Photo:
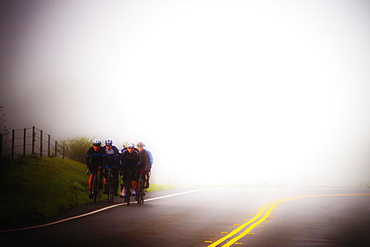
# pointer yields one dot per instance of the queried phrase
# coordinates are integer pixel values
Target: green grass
(34, 188)
(159, 187)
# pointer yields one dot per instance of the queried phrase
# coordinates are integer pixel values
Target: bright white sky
(250, 91)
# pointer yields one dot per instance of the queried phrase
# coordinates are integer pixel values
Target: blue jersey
(150, 158)
(112, 156)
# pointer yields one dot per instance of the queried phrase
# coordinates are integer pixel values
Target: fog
(243, 92)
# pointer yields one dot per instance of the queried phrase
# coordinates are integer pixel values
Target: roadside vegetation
(75, 147)
(34, 188)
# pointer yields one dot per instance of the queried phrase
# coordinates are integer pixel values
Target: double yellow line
(260, 217)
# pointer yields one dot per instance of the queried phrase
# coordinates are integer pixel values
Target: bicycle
(96, 184)
(140, 192)
(128, 179)
(110, 184)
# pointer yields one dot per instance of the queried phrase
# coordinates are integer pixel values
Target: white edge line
(100, 210)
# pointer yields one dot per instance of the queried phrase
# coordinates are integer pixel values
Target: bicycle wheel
(110, 187)
(128, 187)
(95, 187)
(140, 192)
(139, 196)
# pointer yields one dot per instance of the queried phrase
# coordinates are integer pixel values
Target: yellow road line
(240, 227)
(271, 205)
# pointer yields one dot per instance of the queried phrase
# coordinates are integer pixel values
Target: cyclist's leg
(110, 186)
(134, 177)
(142, 188)
(127, 187)
(105, 175)
(100, 176)
(90, 180)
(122, 188)
(115, 181)
(95, 186)
(147, 176)
(137, 186)
(90, 184)
(122, 181)
(144, 182)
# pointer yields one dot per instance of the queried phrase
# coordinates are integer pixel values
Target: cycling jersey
(150, 158)
(144, 162)
(94, 159)
(129, 160)
(112, 156)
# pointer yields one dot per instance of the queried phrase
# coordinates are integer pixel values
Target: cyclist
(129, 160)
(121, 172)
(112, 162)
(124, 147)
(145, 162)
(150, 168)
(94, 160)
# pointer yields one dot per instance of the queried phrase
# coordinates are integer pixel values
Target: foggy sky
(250, 91)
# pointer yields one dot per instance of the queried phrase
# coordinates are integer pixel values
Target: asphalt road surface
(211, 217)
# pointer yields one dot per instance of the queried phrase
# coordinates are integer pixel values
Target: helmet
(130, 145)
(109, 142)
(140, 144)
(96, 142)
(125, 145)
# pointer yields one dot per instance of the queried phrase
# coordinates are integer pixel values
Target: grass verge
(159, 187)
(34, 188)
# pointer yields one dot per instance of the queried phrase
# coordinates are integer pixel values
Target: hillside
(34, 188)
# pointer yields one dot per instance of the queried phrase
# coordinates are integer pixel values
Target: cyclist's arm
(145, 161)
(88, 158)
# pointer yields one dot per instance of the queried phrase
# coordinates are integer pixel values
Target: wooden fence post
(48, 145)
(40, 143)
(24, 141)
(33, 139)
(13, 141)
(56, 149)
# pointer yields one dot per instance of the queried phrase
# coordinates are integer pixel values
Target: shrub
(75, 148)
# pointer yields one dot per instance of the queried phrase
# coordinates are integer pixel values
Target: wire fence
(21, 142)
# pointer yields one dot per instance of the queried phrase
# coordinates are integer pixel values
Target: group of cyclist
(131, 158)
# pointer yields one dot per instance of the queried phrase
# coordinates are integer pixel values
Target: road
(211, 217)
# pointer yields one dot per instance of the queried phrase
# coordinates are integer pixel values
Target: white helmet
(96, 142)
(130, 145)
(109, 142)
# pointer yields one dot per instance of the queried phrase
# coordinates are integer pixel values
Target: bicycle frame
(140, 189)
(128, 185)
(96, 181)
(110, 184)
